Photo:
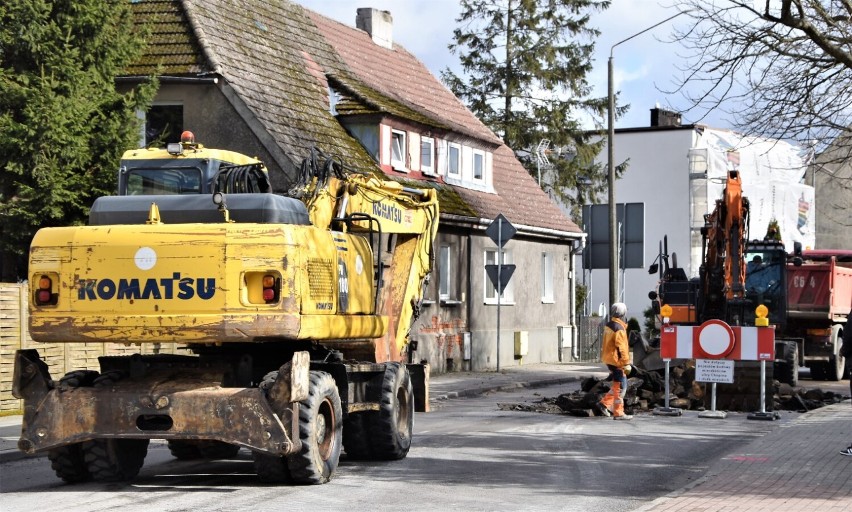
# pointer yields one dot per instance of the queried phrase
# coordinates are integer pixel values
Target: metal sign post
(762, 414)
(500, 231)
(667, 411)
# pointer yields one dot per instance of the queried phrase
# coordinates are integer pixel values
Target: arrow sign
(505, 274)
(500, 230)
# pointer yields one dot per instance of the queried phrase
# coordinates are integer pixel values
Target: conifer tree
(525, 65)
(63, 124)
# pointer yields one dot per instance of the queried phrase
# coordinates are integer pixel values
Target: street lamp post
(613, 226)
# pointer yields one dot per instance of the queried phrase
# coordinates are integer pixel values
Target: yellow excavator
(293, 311)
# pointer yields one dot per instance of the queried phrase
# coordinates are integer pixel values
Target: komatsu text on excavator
(293, 310)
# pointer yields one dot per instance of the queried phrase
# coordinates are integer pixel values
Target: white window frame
(481, 154)
(489, 290)
(445, 268)
(458, 148)
(427, 169)
(547, 278)
(398, 163)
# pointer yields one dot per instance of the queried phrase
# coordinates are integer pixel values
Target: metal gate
(589, 338)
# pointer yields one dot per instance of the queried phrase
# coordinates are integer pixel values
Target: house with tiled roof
(272, 79)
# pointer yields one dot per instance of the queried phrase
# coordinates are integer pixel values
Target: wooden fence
(60, 357)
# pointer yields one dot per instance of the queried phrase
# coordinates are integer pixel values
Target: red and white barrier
(715, 339)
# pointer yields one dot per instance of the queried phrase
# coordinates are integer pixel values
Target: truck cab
(766, 280)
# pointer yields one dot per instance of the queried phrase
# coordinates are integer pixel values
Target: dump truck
(819, 298)
(293, 313)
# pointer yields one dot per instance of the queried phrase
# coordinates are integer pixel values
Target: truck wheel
(789, 370)
(68, 464)
(218, 450)
(356, 441)
(184, 450)
(320, 430)
(836, 364)
(115, 460)
(393, 424)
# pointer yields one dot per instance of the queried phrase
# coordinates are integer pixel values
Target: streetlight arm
(647, 29)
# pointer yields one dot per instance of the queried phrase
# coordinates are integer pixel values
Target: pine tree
(63, 124)
(525, 64)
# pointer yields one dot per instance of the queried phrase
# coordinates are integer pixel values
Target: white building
(675, 175)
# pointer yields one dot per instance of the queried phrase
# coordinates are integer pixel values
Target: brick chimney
(379, 24)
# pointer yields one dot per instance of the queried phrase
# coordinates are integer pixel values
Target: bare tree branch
(779, 69)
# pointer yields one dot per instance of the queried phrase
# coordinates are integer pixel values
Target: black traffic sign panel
(505, 274)
(500, 230)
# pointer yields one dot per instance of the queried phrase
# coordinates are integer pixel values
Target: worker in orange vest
(616, 355)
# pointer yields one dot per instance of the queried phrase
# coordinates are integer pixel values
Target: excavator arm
(401, 221)
(724, 238)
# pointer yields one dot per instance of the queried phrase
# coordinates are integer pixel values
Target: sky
(642, 66)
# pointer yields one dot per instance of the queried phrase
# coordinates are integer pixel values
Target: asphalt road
(467, 454)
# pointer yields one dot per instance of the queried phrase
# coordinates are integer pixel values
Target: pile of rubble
(646, 390)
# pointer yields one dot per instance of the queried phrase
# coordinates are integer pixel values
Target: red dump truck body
(819, 297)
(822, 287)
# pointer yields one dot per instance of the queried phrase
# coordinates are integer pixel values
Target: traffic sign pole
(499, 281)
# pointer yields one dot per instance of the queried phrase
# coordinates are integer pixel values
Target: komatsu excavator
(293, 311)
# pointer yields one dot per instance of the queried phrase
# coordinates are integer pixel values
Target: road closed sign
(714, 370)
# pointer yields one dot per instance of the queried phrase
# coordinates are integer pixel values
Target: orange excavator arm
(724, 235)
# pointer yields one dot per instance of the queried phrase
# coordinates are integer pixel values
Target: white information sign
(714, 370)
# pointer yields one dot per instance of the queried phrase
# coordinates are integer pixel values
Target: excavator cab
(766, 280)
(186, 167)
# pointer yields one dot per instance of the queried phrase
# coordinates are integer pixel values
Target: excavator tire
(320, 430)
(391, 428)
(67, 461)
(114, 460)
(68, 464)
(78, 379)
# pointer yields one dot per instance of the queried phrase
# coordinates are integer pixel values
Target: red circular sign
(715, 340)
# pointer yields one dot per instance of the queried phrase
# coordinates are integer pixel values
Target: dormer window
(398, 150)
(454, 160)
(427, 155)
(478, 165)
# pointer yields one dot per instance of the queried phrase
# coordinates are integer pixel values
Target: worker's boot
(618, 406)
(605, 405)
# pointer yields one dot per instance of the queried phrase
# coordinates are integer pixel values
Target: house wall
(206, 111)
(831, 178)
(440, 330)
(658, 176)
(526, 312)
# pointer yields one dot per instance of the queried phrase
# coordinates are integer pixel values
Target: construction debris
(646, 391)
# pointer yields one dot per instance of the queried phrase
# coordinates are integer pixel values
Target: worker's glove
(628, 370)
